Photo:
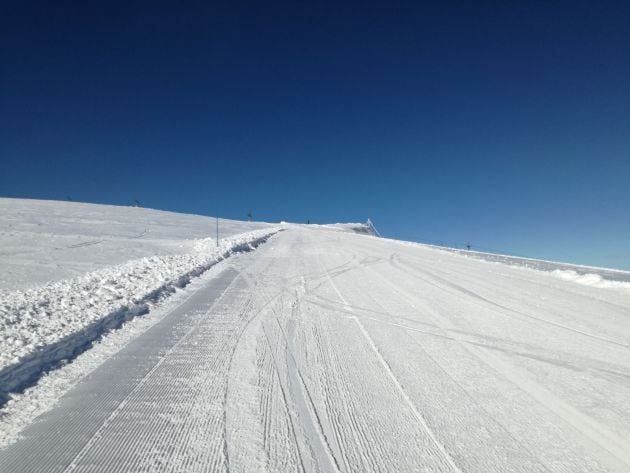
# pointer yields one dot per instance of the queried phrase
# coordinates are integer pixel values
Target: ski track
(325, 351)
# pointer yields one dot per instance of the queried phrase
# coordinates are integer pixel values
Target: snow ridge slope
(44, 240)
(40, 327)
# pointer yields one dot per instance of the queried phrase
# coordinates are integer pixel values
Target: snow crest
(34, 319)
(589, 279)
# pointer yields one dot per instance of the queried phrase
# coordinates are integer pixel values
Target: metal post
(217, 230)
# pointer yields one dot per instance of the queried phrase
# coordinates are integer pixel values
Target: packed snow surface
(327, 350)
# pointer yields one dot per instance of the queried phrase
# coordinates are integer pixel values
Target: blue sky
(506, 124)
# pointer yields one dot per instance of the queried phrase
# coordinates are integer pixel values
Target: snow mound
(42, 326)
(589, 279)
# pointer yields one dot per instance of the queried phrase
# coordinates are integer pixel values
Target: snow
(329, 350)
(43, 241)
(44, 316)
(538, 264)
(22, 408)
(589, 279)
(360, 228)
(43, 325)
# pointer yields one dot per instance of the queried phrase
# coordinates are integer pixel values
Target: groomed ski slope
(324, 350)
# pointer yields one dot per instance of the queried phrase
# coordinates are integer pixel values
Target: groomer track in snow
(324, 350)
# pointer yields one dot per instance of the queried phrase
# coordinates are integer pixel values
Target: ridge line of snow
(481, 254)
(589, 279)
(570, 272)
(41, 328)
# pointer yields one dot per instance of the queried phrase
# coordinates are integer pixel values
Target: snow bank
(44, 325)
(593, 280)
(44, 241)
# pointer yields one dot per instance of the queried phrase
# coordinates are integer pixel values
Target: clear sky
(506, 124)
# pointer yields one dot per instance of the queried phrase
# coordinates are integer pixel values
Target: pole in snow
(217, 230)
